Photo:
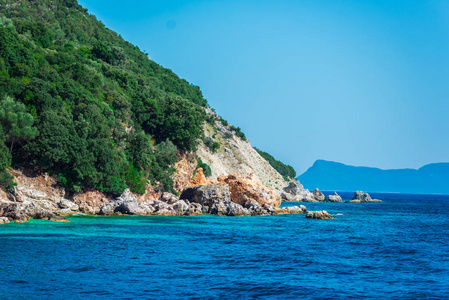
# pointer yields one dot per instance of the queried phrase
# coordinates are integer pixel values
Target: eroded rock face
(318, 195)
(319, 215)
(333, 198)
(361, 197)
(249, 188)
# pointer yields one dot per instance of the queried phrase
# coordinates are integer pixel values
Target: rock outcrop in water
(361, 197)
(319, 215)
(295, 192)
(333, 198)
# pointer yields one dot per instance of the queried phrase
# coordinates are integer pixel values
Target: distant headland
(329, 175)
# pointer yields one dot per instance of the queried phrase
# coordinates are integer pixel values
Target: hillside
(328, 175)
(85, 106)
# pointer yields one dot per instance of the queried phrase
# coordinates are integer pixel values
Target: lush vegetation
(283, 169)
(81, 103)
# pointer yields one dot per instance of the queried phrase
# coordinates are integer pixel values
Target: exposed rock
(67, 204)
(169, 198)
(4, 220)
(361, 197)
(180, 207)
(255, 209)
(292, 210)
(333, 198)
(194, 209)
(90, 202)
(207, 195)
(318, 195)
(295, 192)
(320, 215)
(165, 212)
(270, 210)
(228, 208)
(235, 155)
(199, 178)
(249, 188)
(294, 187)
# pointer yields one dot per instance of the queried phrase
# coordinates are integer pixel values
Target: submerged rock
(361, 197)
(319, 215)
(333, 198)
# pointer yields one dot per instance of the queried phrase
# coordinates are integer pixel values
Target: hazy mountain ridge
(329, 175)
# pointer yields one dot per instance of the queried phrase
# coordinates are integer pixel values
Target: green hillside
(283, 169)
(79, 102)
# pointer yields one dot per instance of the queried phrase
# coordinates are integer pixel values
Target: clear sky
(358, 82)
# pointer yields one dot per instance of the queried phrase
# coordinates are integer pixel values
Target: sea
(398, 249)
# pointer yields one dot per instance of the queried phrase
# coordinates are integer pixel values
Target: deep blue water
(395, 249)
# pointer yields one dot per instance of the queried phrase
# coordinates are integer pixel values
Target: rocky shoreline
(40, 197)
(295, 192)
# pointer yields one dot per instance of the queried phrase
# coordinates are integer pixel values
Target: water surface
(395, 249)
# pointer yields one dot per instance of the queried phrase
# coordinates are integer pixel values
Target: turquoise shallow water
(395, 249)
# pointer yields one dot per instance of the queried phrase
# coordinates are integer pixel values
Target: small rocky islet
(232, 195)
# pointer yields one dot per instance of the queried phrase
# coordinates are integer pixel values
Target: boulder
(270, 210)
(228, 208)
(130, 207)
(206, 195)
(4, 220)
(169, 198)
(67, 204)
(333, 198)
(194, 209)
(319, 215)
(254, 208)
(249, 188)
(292, 210)
(361, 197)
(297, 209)
(294, 187)
(318, 195)
(295, 192)
(180, 207)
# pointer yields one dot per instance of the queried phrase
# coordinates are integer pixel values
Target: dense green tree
(5, 162)
(97, 101)
(16, 122)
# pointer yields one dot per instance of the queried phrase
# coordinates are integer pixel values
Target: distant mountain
(329, 175)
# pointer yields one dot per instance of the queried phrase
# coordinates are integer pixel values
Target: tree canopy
(83, 104)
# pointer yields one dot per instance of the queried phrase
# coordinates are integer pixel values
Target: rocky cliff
(234, 155)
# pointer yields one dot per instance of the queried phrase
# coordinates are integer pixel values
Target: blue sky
(358, 82)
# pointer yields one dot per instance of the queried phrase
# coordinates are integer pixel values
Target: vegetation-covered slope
(81, 103)
(283, 169)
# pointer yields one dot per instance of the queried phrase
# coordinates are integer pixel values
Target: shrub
(206, 169)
